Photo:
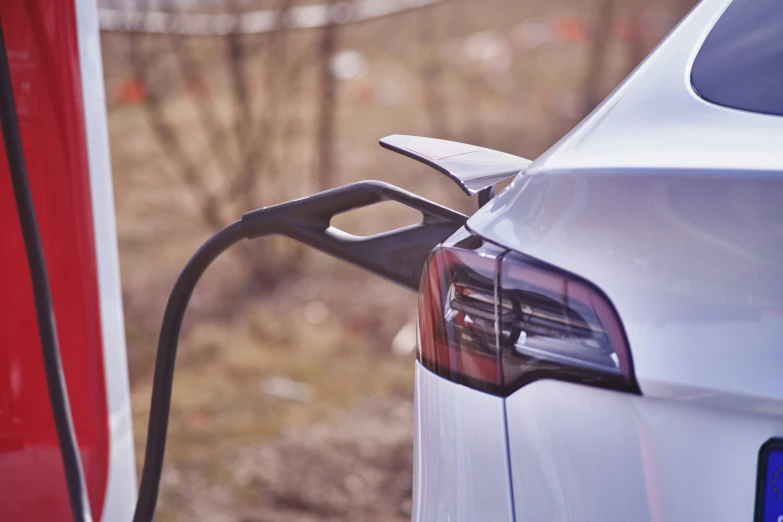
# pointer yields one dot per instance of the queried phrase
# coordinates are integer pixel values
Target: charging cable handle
(398, 255)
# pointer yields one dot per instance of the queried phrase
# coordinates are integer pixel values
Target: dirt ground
(354, 467)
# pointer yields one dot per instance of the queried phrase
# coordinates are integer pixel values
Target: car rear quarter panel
(460, 454)
(580, 454)
(692, 262)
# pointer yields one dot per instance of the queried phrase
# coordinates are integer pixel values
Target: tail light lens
(457, 315)
(495, 320)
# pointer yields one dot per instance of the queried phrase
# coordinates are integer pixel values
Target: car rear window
(740, 64)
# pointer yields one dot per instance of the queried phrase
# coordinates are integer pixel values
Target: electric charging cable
(44, 313)
(397, 255)
(163, 379)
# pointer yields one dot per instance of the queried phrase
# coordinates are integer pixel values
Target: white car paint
(580, 454)
(461, 472)
(672, 206)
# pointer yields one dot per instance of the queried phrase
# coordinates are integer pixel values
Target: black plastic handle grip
(397, 255)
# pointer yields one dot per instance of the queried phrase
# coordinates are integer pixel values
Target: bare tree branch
(205, 106)
(206, 202)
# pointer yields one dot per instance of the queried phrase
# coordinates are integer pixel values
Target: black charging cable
(47, 331)
(396, 255)
(163, 379)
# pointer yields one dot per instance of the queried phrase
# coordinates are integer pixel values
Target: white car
(603, 341)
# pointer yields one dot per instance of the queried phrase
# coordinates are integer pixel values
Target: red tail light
(496, 320)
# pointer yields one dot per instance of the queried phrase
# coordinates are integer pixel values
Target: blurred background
(294, 385)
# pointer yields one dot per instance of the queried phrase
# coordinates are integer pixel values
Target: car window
(740, 64)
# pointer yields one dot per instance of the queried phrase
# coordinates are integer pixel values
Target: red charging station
(53, 49)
